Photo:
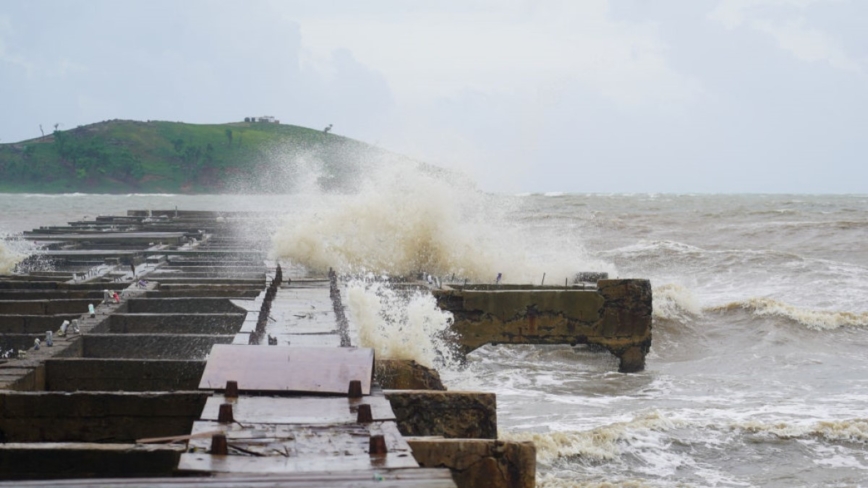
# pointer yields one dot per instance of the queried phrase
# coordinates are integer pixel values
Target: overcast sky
(525, 96)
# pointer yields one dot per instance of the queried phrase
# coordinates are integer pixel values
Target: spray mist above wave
(404, 218)
(812, 319)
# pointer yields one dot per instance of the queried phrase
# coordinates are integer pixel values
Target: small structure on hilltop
(265, 118)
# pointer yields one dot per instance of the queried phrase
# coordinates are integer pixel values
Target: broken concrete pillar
(450, 414)
(474, 463)
(400, 374)
(616, 316)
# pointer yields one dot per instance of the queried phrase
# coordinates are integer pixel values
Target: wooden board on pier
(381, 478)
(298, 410)
(288, 369)
(280, 448)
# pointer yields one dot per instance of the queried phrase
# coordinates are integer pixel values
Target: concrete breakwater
(614, 315)
(167, 378)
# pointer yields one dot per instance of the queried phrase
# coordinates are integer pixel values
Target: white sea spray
(400, 324)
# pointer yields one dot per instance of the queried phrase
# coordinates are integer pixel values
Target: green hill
(123, 156)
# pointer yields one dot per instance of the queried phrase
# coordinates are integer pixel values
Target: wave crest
(600, 444)
(401, 324)
(812, 319)
(675, 302)
(853, 430)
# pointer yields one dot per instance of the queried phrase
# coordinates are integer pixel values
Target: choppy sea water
(758, 373)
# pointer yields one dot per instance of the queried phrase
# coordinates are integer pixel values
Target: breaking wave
(8, 258)
(405, 219)
(853, 430)
(599, 444)
(674, 302)
(813, 319)
(401, 324)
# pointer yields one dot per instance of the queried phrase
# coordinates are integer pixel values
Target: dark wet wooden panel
(298, 410)
(196, 462)
(288, 368)
(304, 440)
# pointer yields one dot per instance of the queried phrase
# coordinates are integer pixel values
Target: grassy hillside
(122, 156)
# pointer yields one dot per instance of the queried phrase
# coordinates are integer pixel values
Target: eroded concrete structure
(615, 315)
(83, 407)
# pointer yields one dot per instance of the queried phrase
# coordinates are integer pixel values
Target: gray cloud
(736, 96)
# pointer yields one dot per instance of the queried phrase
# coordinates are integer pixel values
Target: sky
(625, 96)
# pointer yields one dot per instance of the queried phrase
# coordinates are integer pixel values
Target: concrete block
(616, 316)
(97, 417)
(475, 463)
(399, 374)
(449, 414)
(186, 323)
(151, 346)
(20, 461)
(182, 305)
(122, 374)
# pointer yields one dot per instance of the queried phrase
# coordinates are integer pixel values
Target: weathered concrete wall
(450, 414)
(227, 292)
(616, 316)
(20, 461)
(18, 341)
(97, 417)
(44, 307)
(475, 463)
(181, 305)
(122, 374)
(50, 294)
(151, 346)
(23, 377)
(33, 324)
(181, 323)
(400, 374)
(9, 284)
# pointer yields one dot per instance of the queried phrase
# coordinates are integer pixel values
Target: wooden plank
(381, 478)
(297, 410)
(197, 462)
(288, 369)
(179, 438)
(313, 442)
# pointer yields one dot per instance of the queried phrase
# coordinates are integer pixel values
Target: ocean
(758, 372)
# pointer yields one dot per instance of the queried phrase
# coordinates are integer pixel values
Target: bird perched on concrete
(36, 344)
(62, 331)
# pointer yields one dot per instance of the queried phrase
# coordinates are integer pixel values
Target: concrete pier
(216, 367)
